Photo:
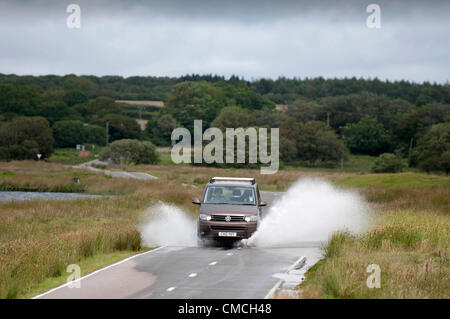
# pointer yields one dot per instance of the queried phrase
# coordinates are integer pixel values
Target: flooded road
(21, 196)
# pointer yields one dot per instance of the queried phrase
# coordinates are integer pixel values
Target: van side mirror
(262, 204)
(195, 201)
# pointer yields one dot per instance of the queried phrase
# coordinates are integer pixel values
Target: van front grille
(227, 228)
(221, 218)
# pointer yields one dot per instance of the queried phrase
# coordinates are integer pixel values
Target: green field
(69, 156)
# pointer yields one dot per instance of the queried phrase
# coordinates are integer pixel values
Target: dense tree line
(66, 118)
(326, 119)
(286, 91)
(280, 91)
(202, 100)
(321, 132)
(117, 87)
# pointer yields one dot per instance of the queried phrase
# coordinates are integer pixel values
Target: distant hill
(280, 91)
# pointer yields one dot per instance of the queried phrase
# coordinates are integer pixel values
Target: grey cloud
(249, 38)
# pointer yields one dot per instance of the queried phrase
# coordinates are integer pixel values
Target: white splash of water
(311, 210)
(168, 225)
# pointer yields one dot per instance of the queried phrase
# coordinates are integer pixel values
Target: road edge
(95, 272)
(298, 264)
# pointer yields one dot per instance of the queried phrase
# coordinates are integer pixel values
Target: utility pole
(328, 118)
(343, 145)
(107, 132)
(410, 148)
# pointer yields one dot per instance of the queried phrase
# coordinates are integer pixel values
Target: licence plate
(227, 234)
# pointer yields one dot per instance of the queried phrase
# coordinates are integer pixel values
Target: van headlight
(253, 218)
(204, 217)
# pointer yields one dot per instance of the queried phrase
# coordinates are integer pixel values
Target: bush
(160, 129)
(94, 134)
(388, 163)
(288, 149)
(432, 152)
(68, 133)
(436, 163)
(130, 151)
(120, 127)
(58, 111)
(368, 136)
(316, 142)
(233, 117)
(26, 150)
(24, 137)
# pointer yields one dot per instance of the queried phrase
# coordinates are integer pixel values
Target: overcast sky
(249, 38)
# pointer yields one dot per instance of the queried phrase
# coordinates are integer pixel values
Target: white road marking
(193, 275)
(97, 271)
(171, 288)
(301, 261)
(213, 263)
(230, 254)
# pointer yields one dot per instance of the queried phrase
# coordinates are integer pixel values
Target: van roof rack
(236, 179)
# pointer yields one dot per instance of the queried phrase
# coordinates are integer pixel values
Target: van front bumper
(211, 229)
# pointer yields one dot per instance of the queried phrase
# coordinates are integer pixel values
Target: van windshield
(235, 195)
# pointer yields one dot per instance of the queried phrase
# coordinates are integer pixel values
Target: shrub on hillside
(432, 152)
(160, 129)
(388, 163)
(70, 133)
(130, 151)
(368, 136)
(24, 137)
(94, 134)
(233, 117)
(315, 142)
(120, 127)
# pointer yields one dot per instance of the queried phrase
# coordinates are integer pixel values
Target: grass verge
(410, 247)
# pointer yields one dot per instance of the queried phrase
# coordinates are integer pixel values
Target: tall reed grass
(411, 247)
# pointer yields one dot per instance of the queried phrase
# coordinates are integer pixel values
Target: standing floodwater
(21, 196)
